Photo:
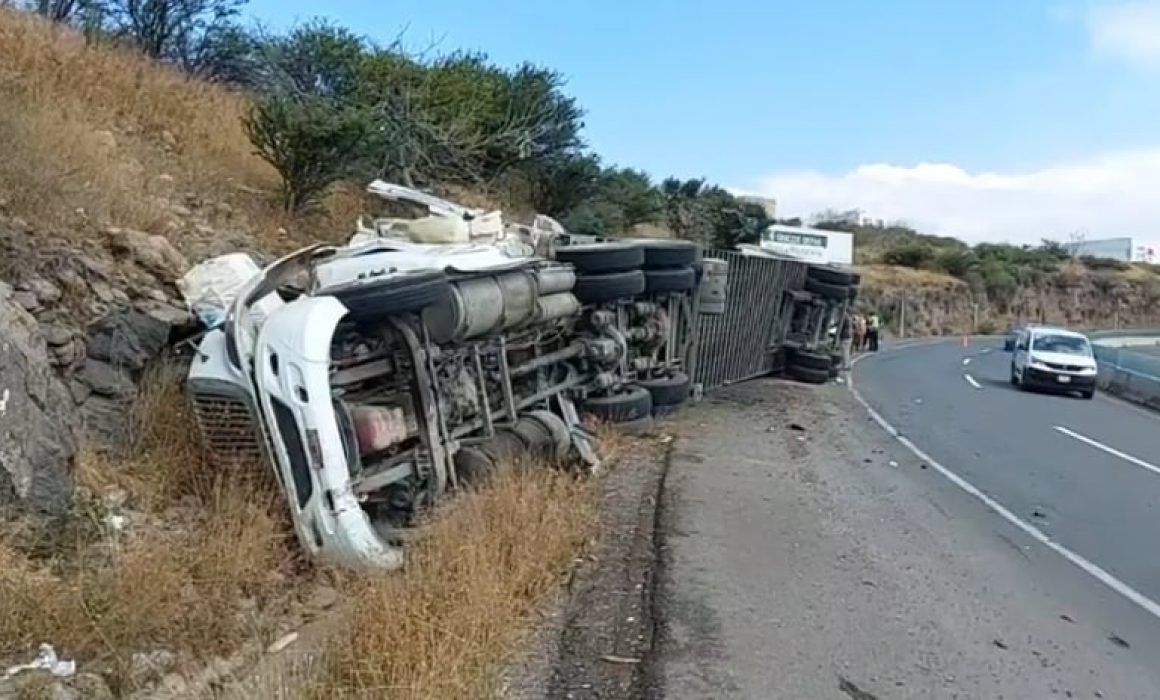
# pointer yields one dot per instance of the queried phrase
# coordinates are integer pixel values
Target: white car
(1054, 359)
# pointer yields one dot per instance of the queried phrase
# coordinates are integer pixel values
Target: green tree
(311, 142)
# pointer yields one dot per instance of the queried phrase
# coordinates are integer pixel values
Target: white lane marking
(1110, 450)
(1150, 606)
(966, 361)
(972, 382)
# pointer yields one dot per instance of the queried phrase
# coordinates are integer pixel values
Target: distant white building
(1123, 248)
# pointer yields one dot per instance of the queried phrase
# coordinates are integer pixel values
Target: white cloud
(1114, 195)
(1127, 32)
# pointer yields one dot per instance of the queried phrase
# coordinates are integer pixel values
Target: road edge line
(1094, 570)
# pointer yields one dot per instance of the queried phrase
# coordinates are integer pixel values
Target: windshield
(1063, 344)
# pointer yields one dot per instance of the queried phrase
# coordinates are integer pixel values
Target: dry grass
(472, 589)
(196, 543)
(89, 131)
(893, 277)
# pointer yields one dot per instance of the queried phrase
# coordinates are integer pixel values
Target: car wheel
(1089, 394)
(398, 294)
(631, 404)
(1014, 379)
(594, 289)
(602, 257)
(670, 390)
(838, 292)
(674, 279)
(662, 254)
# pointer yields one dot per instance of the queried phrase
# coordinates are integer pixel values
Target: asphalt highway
(1085, 473)
(934, 533)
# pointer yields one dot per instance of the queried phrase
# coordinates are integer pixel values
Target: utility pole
(902, 317)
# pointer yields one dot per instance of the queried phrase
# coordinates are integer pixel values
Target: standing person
(872, 331)
(845, 333)
(859, 334)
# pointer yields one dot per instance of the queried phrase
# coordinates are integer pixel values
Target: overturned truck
(380, 376)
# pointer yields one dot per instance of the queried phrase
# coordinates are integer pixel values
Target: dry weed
(94, 127)
(895, 277)
(196, 543)
(473, 585)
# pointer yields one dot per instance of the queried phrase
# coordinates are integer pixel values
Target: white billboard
(809, 244)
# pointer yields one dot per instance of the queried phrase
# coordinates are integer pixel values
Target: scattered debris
(46, 660)
(796, 427)
(894, 464)
(282, 642)
(1038, 514)
(1119, 641)
(613, 659)
(149, 667)
(922, 466)
(322, 598)
(1067, 618)
(1000, 643)
(855, 693)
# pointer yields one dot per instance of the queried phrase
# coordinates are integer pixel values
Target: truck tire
(505, 448)
(809, 375)
(672, 279)
(408, 293)
(830, 275)
(661, 254)
(472, 466)
(555, 425)
(537, 438)
(810, 360)
(610, 286)
(602, 257)
(833, 292)
(835, 366)
(633, 403)
(666, 391)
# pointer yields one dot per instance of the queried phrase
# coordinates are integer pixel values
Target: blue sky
(790, 99)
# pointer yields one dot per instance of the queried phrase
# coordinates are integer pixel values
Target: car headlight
(1036, 364)
(1088, 370)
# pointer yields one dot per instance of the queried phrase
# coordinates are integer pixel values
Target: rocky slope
(81, 319)
(917, 302)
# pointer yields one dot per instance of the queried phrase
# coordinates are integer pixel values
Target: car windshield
(1063, 344)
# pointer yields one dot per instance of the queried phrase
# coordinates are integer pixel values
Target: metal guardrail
(745, 341)
(1128, 373)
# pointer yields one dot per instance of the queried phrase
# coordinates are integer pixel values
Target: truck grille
(227, 428)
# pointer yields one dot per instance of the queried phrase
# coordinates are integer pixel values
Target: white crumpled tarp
(46, 660)
(211, 286)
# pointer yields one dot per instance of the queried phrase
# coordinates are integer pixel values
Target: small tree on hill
(170, 29)
(310, 141)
